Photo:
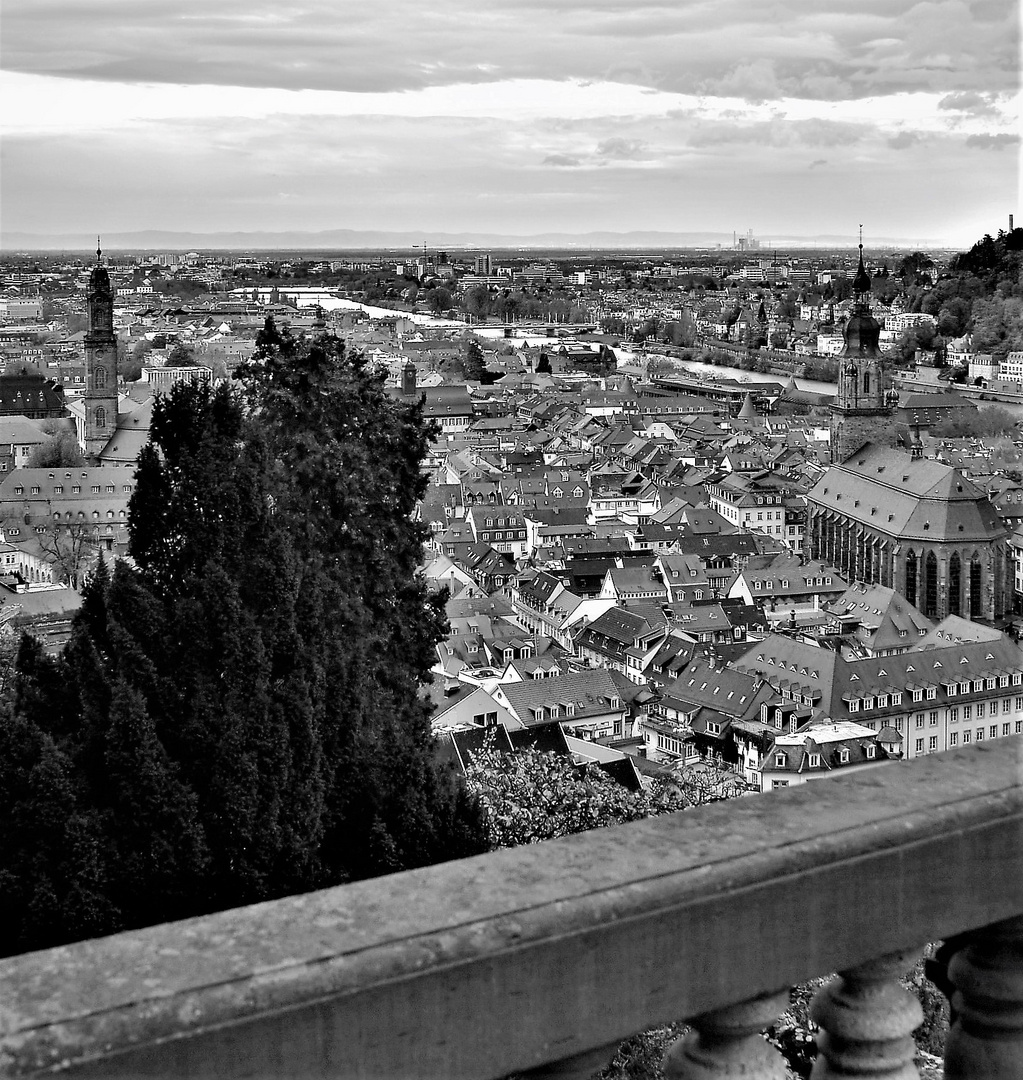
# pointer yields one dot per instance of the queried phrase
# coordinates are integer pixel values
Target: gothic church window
(100, 416)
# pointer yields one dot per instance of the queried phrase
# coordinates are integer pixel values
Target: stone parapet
(528, 957)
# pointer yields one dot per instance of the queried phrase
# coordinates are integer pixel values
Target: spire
(99, 251)
(861, 283)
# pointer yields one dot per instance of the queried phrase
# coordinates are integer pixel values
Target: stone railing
(543, 957)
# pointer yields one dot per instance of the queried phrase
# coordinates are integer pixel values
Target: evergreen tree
(53, 887)
(351, 457)
(238, 716)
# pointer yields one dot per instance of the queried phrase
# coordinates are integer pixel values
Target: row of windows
(672, 745)
(81, 514)
(814, 760)
(993, 731)
(761, 586)
(953, 714)
(930, 693)
(965, 685)
(511, 534)
(76, 489)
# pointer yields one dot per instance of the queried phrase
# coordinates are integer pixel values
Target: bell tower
(100, 363)
(861, 411)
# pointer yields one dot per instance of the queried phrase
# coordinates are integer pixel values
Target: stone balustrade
(540, 958)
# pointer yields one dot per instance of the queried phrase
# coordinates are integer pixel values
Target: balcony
(542, 957)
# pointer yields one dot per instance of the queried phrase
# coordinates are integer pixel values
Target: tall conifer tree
(238, 715)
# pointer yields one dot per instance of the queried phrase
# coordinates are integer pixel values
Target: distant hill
(362, 239)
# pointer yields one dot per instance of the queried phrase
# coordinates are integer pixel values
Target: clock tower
(100, 363)
(861, 412)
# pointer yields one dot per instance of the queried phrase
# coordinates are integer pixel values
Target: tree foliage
(473, 361)
(238, 716)
(536, 795)
(987, 422)
(60, 451)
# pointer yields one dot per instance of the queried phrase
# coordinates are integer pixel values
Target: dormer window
(814, 761)
(871, 751)
(843, 756)
(780, 761)
(918, 695)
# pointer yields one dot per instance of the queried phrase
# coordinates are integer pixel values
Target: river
(711, 370)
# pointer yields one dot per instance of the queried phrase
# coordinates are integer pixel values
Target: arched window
(931, 585)
(976, 589)
(911, 572)
(866, 382)
(100, 416)
(955, 585)
(99, 379)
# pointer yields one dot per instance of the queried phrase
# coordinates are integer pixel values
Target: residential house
(502, 527)
(820, 749)
(587, 704)
(785, 582)
(622, 640)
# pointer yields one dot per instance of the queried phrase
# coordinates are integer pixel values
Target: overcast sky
(791, 117)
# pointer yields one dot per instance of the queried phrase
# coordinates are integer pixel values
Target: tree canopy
(238, 716)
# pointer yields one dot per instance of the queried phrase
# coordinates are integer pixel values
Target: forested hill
(982, 293)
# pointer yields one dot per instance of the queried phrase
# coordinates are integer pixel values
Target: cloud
(969, 101)
(621, 149)
(757, 51)
(562, 161)
(818, 163)
(781, 132)
(902, 140)
(1000, 141)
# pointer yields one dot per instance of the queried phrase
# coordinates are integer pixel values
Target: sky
(789, 117)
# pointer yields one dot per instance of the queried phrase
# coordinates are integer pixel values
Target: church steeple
(862, 331)
(100, 401)
(860, 412)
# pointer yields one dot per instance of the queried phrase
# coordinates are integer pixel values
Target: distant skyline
(543, 116)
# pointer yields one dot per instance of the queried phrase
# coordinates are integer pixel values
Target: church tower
(861, 411)
(100, 363)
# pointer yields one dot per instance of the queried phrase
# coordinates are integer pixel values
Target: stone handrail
(523, 958)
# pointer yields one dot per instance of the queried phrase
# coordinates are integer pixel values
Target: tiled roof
(589, 693)
(912, 498)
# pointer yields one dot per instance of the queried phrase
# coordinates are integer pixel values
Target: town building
(884, 516)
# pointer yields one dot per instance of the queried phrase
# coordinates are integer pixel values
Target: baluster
(727, 1044)
(986, 1038)
(867, 1019)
